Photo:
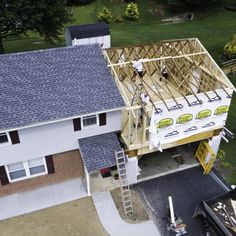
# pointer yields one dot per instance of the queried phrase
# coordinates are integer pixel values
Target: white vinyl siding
(26, 169)
(57, 137)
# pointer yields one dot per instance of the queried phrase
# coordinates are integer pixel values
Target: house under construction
(188, 97)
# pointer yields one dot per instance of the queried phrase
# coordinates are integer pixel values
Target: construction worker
(138, 67)
(144, 98)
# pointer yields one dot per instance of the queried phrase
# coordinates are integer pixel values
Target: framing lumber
(179, 58)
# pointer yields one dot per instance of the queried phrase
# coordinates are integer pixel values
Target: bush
(119, 19)
(105, 15)
(132, 12)
(230, 48)
(221, 154)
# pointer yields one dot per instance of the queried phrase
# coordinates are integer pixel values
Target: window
(3, 138)
(89, 120)
(16, 170)
(26, 169)
(36, 166)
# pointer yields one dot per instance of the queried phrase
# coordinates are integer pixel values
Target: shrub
(221, 154)
(230, 48)
(119, 19)
(132, 12)
(105, 15)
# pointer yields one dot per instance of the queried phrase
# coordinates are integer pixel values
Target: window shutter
(3, 176)
(77, 124)
(50, 164)
(14, 137)
(102, 119)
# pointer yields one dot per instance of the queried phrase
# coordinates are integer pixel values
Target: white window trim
(26, 168)
(8, 138)
(89, 126)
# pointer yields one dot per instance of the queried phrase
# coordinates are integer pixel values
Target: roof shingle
(90, 30)
(54, 84)
(98, 152)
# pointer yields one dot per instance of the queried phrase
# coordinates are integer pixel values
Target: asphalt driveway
(187, 188)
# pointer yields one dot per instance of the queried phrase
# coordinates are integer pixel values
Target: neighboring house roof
(98, 152)
(48, 85)
(87, 31)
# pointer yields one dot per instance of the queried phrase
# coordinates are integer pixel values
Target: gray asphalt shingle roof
(98, 152)
(46, 85)
(90, 30)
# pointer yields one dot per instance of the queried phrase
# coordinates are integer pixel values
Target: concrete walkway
(54, 194)
(37, 199)
(113, 223)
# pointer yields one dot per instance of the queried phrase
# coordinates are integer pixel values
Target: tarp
(170, 125)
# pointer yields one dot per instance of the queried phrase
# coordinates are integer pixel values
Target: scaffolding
(192, 75)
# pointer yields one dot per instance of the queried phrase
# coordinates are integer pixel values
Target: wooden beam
(119, 83)
(157, 59)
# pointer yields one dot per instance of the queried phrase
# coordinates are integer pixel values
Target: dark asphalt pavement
(187, 188)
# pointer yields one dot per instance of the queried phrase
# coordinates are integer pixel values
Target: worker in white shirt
(138, 66)
(144, 98)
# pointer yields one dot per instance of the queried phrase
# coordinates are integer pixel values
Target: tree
(12, 20)
(105, 15)
(132, 12)
(49, 18)
(46, 17)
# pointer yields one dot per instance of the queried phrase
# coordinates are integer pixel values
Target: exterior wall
(67, 165)
(132, 170)
(171, 126)
(215, 144)
(182, 123)
(104, 41)
(53, 138)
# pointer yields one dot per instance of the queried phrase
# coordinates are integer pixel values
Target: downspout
(87, 181)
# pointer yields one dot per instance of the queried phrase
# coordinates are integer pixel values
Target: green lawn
(213, 29)
(230, 148)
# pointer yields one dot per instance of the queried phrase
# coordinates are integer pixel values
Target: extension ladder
(124, 185)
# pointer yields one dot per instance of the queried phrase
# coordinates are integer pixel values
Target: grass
(213, 29)
(84, 14)
(208, 29)
(229, 148)
(77, 217)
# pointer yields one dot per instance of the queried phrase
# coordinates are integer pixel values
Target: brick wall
(67, 165)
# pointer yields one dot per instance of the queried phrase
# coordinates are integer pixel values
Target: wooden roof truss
(181, 59)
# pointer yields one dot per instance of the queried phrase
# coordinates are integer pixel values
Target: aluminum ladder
(124, 185)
